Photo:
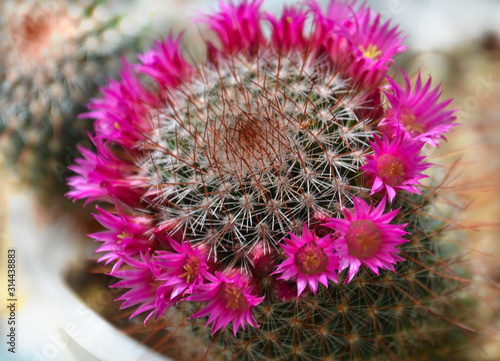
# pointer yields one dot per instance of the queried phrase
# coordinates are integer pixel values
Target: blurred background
(455, 41)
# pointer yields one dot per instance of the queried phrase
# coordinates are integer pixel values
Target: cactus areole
(270, 190)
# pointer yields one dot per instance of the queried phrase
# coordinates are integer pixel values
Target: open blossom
(125, 234)
(375, 40)
(231, 298)
(123, 113)
(182, 269)
(309, 261)
(360, 44)
(417, 112)
(140, 280)
(178, 272)
(104, 176)
(395, 164)
(374, 45)
(367, 238)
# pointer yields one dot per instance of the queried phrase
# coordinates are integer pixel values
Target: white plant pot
(52, 321)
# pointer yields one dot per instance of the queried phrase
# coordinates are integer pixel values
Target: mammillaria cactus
(55, 55)
(267, 201)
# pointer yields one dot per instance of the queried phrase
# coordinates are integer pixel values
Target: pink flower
(341, 11)
(288, 32)
(164, 299)
(262, 259)
(367, 238)
(395, 164)
(309, 260)
(182, 269)
(104, 177)
(165, 63)
(373, 39)
(328, 34)
(169, 229)
(142, 285)
(357, 41)
(237, 27)
(122, 114)
(231, 298)
(125, 234)
(374, 45)
(418, 113)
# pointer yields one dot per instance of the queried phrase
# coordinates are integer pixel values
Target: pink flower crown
(263, 172)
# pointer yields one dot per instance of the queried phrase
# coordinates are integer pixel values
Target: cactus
(275, 189)
(55, 56)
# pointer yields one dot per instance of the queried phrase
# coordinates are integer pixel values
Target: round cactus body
(267, 201)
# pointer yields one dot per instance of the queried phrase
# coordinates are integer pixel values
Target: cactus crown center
(236, 160)
(391, 170)
(363, 239)
(311, 259)
(241, 143)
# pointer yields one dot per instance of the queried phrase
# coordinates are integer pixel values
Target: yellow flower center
(192, 268)
(121, 236)
(234, 298)
(371, 51)
(408, 120)
(390, 170)
(311, 259)
(363, 239)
